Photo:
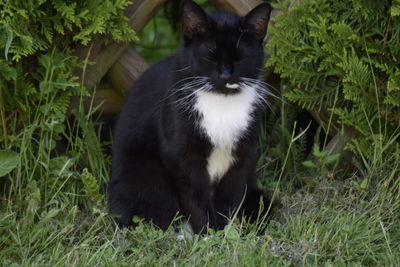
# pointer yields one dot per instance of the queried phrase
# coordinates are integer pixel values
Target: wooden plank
(126, 71)
(340, 140)
(239, 7)
(111, 102)
(337, 145)
(323, 117)
(141, 12)
(104, 52)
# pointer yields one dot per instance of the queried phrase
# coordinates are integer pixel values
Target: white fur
(232, 85)
(219, 162)
(185, 232)
(224, 119)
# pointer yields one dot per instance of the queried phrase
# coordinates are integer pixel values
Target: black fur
(160, 155)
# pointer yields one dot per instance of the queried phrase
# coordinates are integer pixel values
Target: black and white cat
(186, 139)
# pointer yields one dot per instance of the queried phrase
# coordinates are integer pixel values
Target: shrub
(37, 80)
(343, 56)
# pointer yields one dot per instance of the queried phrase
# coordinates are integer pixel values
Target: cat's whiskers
(182, 69)
(261, 69)
(201, 88)
(238, 41)
(184, 103)
(264, 84)
(174, 89)
(260, 89)
(194, 78)
(261, 86)
(260, 98)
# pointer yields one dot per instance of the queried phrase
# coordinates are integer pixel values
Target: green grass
(55, 215)
(334, 224)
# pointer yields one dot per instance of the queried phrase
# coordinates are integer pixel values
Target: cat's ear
(194, 20)
(256, 20)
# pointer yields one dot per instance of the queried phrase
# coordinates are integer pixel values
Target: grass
(55, 214)
(334, 224)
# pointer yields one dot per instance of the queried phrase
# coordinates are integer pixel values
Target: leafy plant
(46, 148)
(329, 48)
(322, 160)
(8, 161)
(32, 26)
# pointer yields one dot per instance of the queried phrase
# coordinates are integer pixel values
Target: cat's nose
(225, 73)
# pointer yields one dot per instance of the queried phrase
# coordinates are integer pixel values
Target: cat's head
(223, 48)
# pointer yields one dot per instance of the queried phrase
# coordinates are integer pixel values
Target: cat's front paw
(218, 222)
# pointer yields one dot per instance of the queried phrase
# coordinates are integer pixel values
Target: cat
(186, 139)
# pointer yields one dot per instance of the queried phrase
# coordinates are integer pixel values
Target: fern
(36, 25)
(351, 49)
(91, 187)
(320, 97)
(32, 70)
(37, 80)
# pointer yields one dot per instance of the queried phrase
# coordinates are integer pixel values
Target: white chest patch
(224, 119)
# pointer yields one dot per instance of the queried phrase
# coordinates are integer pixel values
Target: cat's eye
(211, 49)
(208, 52)
(210, 55)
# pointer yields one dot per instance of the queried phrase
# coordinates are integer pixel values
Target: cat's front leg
(198, 210)
(238, 190)
(195, 195)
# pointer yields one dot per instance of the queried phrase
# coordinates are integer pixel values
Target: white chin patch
(232, 85)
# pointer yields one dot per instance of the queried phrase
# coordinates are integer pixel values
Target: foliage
(161, 36)
(344, 56)
(45, 146)
(8, 161)
(323, 159)
(158, 39)
(27, 27)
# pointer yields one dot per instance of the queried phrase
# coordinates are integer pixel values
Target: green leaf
(91, 186)
(331, 158)
(309, 164)
(364, 184)
(301, 134)
(51, 213)
(8, 161)
(232, 234)
(318, 153)
(395, 11)
(7, 72)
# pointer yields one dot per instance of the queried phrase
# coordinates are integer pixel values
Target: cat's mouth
(232, 85)
(228, 88)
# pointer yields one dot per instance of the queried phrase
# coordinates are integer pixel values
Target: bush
(37, 80)
(344, 56)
